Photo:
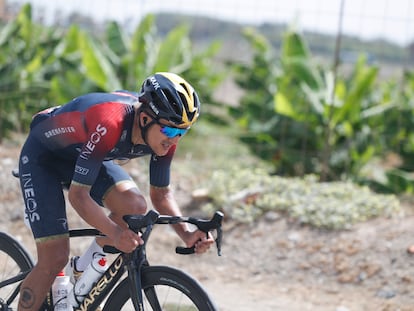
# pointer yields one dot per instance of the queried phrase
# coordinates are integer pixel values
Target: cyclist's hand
(127, 240)
(199, 240)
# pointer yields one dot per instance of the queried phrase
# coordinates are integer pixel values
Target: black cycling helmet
(168, 96)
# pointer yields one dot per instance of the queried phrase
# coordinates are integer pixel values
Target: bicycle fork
(134, 268)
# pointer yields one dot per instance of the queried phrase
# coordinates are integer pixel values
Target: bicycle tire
(166, 281)
(14, 259)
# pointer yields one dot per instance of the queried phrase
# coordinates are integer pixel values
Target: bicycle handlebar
(138, 222)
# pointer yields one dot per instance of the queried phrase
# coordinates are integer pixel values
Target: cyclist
(75, 145)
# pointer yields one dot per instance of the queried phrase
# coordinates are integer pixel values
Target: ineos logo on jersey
(29, 198)
(95, 138)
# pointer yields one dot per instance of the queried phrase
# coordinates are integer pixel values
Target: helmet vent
(172, 97)
(184, 86)
(184, 101)
(173, 102)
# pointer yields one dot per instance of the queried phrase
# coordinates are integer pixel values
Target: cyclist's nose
(174, 140)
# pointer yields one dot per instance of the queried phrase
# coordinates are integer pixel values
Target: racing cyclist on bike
(74, 145)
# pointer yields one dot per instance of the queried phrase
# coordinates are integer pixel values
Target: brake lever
(218, 240)
(206, 226)
(138, 222)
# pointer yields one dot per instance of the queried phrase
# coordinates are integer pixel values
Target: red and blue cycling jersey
(93, 128)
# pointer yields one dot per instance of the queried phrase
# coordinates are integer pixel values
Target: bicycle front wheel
(14, 259)
(165, 289)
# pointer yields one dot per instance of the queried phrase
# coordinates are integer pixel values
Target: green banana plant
(23, 69)
(301, 117)
(397, 174)
(41, 66)
(338, 137)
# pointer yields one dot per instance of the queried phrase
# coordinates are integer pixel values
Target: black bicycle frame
(111, 276)
(137, 260)
(104, 285)
(20, 277)
(134, 263)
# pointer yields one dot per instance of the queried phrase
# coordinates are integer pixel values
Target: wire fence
(385, 24)
(381, 28)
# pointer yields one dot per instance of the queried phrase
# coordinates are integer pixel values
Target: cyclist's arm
(104, 124)
(90, 211)
(164, 202)
(122, 238)
(161, 195)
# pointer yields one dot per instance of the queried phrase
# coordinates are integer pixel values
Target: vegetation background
(303, 135)
(299, 104)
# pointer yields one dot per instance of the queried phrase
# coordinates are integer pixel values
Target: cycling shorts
(43, 177)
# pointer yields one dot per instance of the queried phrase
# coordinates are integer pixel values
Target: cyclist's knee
(129, 201)
(134, 204)
(53, 255)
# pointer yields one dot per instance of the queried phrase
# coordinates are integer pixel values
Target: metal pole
(328, 149)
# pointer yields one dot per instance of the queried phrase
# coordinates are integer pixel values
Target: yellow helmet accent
(170, 97)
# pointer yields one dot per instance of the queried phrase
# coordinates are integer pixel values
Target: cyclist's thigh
(116, 190)
(42, 191)
(111, 177)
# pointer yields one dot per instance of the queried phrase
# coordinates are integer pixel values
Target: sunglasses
(172, 132)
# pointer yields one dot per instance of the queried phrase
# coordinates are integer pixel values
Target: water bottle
(83, 285)
(60, 290)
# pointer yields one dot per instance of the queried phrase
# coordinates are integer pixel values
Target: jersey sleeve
(160, 168)
(103, 125)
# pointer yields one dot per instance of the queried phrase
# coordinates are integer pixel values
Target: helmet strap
(144, 128)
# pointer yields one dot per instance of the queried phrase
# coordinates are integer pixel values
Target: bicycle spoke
(151, 296)
(14, 260)
(165, 289)
(9, 269)
(170, 299)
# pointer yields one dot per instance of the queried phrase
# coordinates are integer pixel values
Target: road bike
(145, 287)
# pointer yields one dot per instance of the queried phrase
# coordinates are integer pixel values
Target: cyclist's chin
(162, 149)
(161, 152)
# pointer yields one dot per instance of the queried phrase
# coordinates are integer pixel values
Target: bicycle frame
(15, 279)
(105, 283)
(134, 262)
(98, 292)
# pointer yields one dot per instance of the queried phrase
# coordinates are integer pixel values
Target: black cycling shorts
(43, 175)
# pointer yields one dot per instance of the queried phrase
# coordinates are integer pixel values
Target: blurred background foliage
(298, 114)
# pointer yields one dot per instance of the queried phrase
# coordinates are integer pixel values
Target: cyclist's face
(158, 137)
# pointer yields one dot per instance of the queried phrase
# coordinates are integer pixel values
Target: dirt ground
(275, 264)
